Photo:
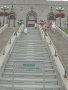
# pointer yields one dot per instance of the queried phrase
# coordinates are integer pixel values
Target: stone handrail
(55, 55)
(3, 28)
(48, 39)
(8, 49)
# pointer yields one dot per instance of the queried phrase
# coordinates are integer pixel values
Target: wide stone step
(29, 61)
(23, 70)
(31, 52)
(30, 46)
(24, 87)
(27, 45)
(18, 81)
(29, 55)
(46, 62)
(14, 88)
(32, 41)
(31, 37)
(29, 75)
(45, 66)
(46, 69)
(14, 65)
(33, 34)
(32, 49)
(29, 58)
(40, 54)
(24, 79)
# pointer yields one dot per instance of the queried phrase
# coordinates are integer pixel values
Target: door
(31, 19)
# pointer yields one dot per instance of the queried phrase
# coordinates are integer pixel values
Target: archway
(12, 16)
(31, 18)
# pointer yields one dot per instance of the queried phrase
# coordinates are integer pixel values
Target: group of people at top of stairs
(49, 26)
(45, 25)
(25, 29)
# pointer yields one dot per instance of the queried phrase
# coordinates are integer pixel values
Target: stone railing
(3, 28)
(59, 67)
(8, 49)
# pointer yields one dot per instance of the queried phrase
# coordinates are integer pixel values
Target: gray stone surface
(61, 45)
(29, 66)
(5, 36)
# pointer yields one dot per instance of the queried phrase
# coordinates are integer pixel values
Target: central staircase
(30, 66)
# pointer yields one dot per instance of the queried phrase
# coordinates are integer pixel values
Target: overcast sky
(57, 0)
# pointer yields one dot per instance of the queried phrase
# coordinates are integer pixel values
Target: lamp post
(67, 21)
(60, 9)
(20, 22)
(4, 8)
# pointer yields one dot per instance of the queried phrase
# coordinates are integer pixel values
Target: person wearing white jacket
(25, 30)
(36, 25)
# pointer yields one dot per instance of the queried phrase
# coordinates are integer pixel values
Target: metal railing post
(10, 41)
(43, 77)
(65, 76)
(4, 51)
(55, 53)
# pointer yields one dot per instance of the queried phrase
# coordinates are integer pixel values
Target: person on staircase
(25, 30)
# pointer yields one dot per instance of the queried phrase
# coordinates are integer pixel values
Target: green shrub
(66, 31)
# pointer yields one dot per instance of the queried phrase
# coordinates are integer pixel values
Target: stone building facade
(40, 7)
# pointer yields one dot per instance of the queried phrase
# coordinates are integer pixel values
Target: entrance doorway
(31, 19)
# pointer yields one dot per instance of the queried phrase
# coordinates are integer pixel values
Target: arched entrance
(31, 18)
(12, 16)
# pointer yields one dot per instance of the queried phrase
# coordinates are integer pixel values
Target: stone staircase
(29, 66)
